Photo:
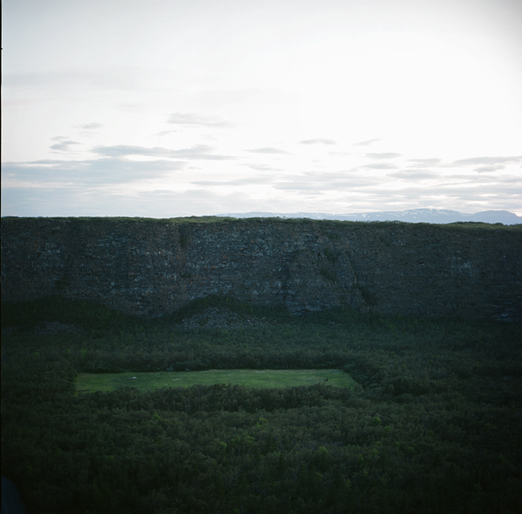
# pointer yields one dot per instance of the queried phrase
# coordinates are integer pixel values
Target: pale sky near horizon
(199, 107)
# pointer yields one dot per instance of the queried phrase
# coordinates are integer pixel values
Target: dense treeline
(434, 427)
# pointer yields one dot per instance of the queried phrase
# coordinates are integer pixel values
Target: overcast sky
(197, 107)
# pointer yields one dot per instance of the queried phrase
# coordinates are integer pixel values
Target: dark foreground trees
(434, 427)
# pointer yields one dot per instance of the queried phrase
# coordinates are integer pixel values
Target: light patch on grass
(268, 378)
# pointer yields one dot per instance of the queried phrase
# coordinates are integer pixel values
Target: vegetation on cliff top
(464, 225)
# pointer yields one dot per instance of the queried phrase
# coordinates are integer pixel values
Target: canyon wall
(153, 267)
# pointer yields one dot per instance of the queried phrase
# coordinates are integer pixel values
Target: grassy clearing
(91, 382)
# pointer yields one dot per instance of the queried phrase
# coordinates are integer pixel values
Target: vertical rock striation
(153, 267)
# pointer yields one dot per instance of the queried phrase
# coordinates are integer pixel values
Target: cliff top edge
(266, 220)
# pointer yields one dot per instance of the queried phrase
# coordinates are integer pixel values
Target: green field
(91, 382)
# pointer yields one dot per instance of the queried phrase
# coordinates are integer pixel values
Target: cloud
(318, 141)
(484, 169)
(193, 119)
(383, 155)
(261, 167)
(269, 150)
(431, 161)
(483, 194)
(487, 160)
(108, 78)
(54, 201)
(97, 188)
(323, 182)
(165, 132)
(321, 187)
(124, 150)
(64, 145)
(201, 152)
(106, 170)
(367, 142)
(380, 166)
(90, 126)
(245, 181)
(93, 201)
(414, 174)
(97, 201)
(487, 164)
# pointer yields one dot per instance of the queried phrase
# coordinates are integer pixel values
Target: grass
(267, 378)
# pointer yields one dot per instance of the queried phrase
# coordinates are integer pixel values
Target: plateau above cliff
(153, 267)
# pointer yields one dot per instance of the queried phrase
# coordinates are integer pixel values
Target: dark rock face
(153, 267)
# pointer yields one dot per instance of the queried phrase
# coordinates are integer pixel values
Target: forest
(433, 426)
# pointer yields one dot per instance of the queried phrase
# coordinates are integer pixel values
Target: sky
(203, 107)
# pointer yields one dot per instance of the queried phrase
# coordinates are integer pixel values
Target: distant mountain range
(410, 216)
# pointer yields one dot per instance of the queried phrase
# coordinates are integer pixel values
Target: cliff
(154, 267)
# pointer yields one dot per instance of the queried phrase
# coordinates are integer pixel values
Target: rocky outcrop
(154, 267)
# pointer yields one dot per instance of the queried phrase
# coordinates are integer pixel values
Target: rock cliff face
(153, 267)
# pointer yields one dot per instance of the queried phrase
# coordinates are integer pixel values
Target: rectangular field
(91, 382)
